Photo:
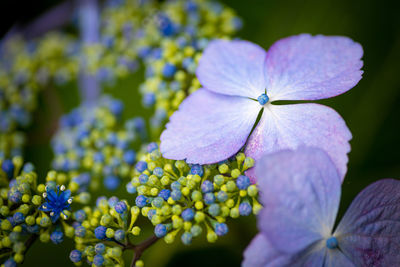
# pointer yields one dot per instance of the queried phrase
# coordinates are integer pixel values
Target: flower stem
(140, 248)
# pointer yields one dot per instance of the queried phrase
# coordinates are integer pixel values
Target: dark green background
(371, 110)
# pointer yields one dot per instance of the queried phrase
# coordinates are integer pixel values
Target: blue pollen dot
(188, 214)
(263, 99)
(75, 256)
(160, 230)
(332, 243)
(244, 209)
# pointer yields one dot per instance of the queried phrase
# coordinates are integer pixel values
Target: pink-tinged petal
(291, 126)
(233, 68)
(260, 253)
(369, 232)
(300, 191)
(208, 127)
(306, 67)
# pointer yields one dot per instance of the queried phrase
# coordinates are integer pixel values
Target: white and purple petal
(369, 232)
(306, 67)
(290, 126)
(208, 127)
(233, 68)
(300, 191)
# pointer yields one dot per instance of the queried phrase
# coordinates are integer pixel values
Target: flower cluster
(25, 69)
(184, 199)
(103, 232)
(93, 140)
(30, 210)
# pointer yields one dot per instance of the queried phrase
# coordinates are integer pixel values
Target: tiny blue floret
(100, 232)
(332, 243)
(160, 230)
(243, 182)
(263, 99)
(188, 214)
(221, 229)
(75, 256)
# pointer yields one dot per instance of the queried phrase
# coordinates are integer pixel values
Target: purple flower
(300, 191)
(240, 79)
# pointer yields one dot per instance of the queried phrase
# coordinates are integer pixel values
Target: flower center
(332, 243)
(263, 99)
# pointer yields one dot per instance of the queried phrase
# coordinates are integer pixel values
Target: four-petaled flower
(300, 191)
(57, 201)
(239, 79)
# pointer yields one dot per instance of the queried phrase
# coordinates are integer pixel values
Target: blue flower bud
(143, 178)
(149, 99)
(141, 166)
(158, 202)
(209, 198)
(10, 263)
(214, 210)
(80, 215)
(176, 195)
(119, 235)
(197, 169)
(168, 70)
(98, 260)
(165, 194)
(130, 188)
(207, 186)
(100, 248)
(112, 201)
(111, 182)
(222, 196)
(151, 147)
(75, 256)
(186, 238)
(176, 186)
(158, 172)
(243, 182)
(221, 229)
(130, 157)
(80, 231)
(8, 168)
(18, 218)
(57, 237)
(141, 201)
(245, 209)
(100, 232)
(120, 207)
(187, 214)
(160, 230)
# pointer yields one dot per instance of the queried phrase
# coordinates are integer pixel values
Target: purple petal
(300, 191)
(369, 232)
(291, 126)
(233, 68)
(306, 67)
(65, 195)
(260, 253)
(208, 127)
(336, 258)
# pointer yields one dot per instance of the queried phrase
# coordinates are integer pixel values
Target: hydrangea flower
(57, 201)
(300, 191)
(240, 79)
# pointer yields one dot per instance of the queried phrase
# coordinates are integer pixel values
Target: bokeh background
(371, 109)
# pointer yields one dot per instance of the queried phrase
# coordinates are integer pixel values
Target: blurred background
(371, 109)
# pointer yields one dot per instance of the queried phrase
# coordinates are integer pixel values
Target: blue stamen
(332, 243)
(263, 99)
